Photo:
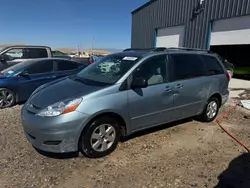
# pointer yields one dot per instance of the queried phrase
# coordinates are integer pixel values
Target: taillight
(228, 76)
(91, 60)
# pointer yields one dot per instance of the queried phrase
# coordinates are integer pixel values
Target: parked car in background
(139, 89)
(59, 54)
(93, 58)
(88, 60)
(19, 81)
(16, 54)
(73, 55)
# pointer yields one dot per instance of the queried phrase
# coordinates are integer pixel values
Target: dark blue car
(18, 82)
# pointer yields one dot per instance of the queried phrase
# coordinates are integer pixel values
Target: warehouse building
(223, 26)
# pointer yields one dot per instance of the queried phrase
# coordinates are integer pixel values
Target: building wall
(166, 13)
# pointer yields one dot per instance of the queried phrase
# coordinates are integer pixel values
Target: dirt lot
(185, 154)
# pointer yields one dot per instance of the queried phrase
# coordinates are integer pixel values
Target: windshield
(109, 69)
(16, 67)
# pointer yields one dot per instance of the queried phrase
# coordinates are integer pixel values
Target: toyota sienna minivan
(121, 94)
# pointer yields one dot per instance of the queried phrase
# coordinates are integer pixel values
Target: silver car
(121, 94)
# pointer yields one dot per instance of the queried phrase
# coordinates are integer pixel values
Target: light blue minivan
(121, 94)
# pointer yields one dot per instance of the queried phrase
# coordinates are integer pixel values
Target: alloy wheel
(103, 137)
(6, 98)
(212, 109)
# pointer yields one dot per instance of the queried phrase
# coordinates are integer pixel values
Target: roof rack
(190, 49)
(161, 49)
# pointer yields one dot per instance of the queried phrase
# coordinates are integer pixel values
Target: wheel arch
(218, 96)
(122, 122)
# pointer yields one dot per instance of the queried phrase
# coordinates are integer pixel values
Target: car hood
(57, 91)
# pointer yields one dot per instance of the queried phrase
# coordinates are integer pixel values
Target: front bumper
(54, 134)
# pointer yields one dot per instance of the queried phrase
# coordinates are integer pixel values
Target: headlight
(59, 108)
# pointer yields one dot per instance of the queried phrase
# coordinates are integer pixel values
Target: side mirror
(139, 82)
(24, 73)
(4, 58)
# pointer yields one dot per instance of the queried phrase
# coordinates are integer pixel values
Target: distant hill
(70, 50)
(113, 50)
(95, 51)
(6, 45)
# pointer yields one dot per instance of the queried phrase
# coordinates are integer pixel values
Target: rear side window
(66, 65)
(186, 66)
(35, 53)
(212, 65)
(41, 67)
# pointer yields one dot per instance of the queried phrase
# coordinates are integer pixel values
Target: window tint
(212, 65)
(41, 67)
(186, 66)
(66, 65)
(153, 70)
(35, 53)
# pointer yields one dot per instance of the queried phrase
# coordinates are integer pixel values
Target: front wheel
(7, 98)
(211, 110)
(100, 138)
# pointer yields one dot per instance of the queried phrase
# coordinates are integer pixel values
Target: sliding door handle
(179, 86)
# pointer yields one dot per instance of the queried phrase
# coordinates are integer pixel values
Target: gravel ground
(184, 154)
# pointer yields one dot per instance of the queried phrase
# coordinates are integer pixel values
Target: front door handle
(179, 86)
(167, 89)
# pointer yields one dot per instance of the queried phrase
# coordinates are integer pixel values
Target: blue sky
(67, 23)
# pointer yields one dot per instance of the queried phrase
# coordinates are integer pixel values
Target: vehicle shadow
(123, 139)
(58, 155)
(237, 175)
(155, 129)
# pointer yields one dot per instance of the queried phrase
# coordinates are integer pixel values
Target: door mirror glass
(139, 82)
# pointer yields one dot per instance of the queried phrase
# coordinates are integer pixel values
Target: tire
(100, 138)
(209, 117)
(7, 98)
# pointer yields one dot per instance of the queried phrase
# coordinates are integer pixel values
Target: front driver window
(14, 54)
(153, 70)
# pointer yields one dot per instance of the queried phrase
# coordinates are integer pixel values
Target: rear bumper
(225, 99)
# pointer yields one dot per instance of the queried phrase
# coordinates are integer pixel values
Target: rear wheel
(100, 138)
(7, 98)
(211, 110)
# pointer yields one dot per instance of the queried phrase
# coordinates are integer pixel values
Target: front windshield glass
(109, 69)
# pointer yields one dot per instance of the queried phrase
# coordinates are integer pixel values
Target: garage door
(170, 37)
(231, 31)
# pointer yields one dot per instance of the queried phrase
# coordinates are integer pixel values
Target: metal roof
(141, 7)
